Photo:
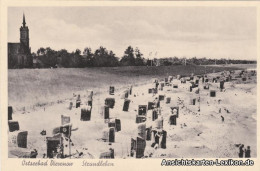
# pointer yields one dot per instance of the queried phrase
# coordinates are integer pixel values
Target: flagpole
(69, 142)
(199, 99)
(69, 148)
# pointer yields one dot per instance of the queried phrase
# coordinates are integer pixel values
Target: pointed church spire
(24, 23)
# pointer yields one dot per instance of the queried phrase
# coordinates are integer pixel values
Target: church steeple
(24, 23)
(24, 33)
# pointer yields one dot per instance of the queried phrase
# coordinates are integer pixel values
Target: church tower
(19, 54)
(24, 34)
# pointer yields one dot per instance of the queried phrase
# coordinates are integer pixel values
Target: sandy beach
(197, 134)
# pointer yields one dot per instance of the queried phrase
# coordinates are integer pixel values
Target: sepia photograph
(132, 82)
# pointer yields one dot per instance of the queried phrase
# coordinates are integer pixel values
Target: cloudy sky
(213, 32)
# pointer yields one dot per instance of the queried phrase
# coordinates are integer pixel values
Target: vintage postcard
(129, 85)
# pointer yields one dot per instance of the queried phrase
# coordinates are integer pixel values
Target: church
(19, 54)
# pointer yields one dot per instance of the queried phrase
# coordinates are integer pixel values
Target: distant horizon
(159, 32)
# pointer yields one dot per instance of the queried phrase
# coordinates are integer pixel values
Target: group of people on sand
(243, 150)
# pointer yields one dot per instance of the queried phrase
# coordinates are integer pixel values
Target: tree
(64, 58)
(112, 59)
(77, 59)
(139, 60)
(104, 58)
(41, 51)
(51, 57)
(88, 57)
(47, 56)
(167, 63)
(34, 55)
(100, 57)
(128, 58)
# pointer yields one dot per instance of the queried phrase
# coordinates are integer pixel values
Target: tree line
(197, 61)
(102, 57)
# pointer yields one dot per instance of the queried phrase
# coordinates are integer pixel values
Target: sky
(212, 32)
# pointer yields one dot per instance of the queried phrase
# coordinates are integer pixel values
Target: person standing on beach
(247, 152)
(222, 118)
(241, 151)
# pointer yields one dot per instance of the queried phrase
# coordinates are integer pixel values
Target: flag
(65, 120)
(66, 130)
